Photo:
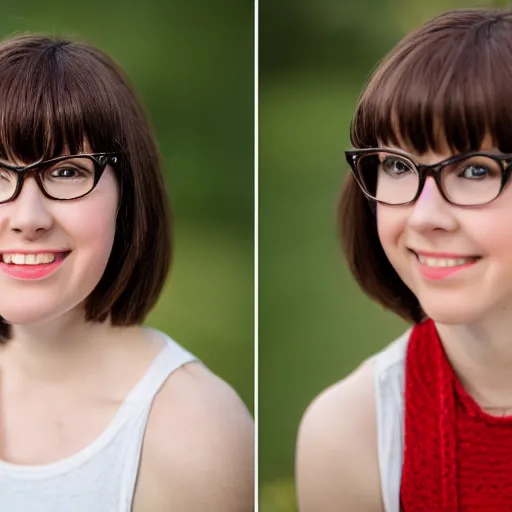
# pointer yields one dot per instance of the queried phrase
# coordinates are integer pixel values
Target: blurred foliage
(278, 496)
(315, 325)
(193, 66)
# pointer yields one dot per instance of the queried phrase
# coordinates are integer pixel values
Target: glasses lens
(8, 181)
(69, 179)
(472, 181)
(389, 178)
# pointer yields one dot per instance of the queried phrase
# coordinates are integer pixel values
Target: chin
(30, 315)
(461, 312)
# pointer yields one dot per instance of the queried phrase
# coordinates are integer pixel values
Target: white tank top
(389, 394)
(102, 476)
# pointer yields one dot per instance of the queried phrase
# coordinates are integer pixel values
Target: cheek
(488, 229)
(92, 229)
(91, 224)
(391, 226)
(494, 238)
(391, 223)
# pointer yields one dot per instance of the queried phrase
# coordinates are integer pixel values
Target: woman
(97, 412)
(426, 424)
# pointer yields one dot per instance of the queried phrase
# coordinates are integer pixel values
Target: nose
(28, 213)
(431, 211)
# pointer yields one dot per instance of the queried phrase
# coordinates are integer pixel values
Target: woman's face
(451, 285)
(34, 224)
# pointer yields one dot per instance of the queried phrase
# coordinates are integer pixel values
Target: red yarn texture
(457, 458)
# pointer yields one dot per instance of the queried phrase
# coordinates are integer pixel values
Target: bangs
(446, 86)
(55, 99)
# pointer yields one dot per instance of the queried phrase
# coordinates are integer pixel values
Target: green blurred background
(193, 65)
(315, 325)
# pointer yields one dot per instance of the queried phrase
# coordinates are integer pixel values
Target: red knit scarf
(456, 457)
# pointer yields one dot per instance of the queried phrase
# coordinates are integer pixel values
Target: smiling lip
(438, 273)
(33, 272)
(443, 255)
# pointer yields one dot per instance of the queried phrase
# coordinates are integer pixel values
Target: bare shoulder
(337, 464)
(199, 446)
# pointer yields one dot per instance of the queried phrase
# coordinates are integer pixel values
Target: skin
(63, 380)
(337, 466)
(336, 456)
(475, 333)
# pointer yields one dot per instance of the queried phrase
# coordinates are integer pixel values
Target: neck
(58, 350)
(481, 356)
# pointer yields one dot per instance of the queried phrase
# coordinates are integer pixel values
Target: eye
(395, 166)
(475, 172)
(67, 173)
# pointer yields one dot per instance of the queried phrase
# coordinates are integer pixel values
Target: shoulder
(337, 464)
(337, 447)
(199, 445)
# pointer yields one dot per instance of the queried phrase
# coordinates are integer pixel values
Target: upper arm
(201, 449)
(337, 465)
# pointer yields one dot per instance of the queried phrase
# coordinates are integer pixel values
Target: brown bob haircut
(445, 86)
(56, 95)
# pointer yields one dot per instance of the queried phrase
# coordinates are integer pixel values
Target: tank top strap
(171, 357)
(103, 475)
(389, 376)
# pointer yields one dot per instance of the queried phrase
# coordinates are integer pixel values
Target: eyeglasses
(62, 178)
(391, 177)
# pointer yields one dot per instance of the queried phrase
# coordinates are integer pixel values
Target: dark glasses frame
(424, 171)
(100, 161)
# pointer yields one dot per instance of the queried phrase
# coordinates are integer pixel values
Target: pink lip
(32, 272)
(438, 273)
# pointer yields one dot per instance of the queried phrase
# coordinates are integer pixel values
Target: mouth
(444, 261)
(33, 259)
